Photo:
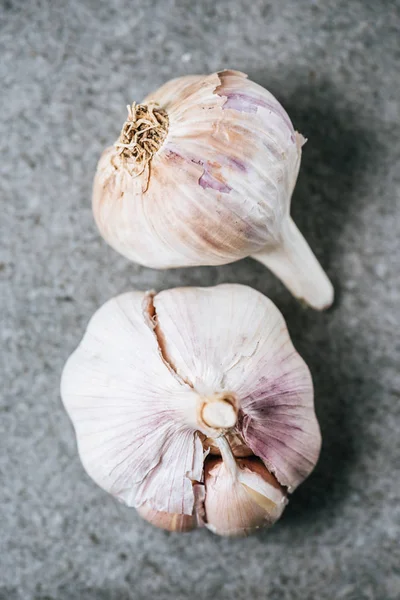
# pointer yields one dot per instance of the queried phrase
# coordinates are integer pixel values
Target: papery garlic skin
(137, 385)
(217, 188)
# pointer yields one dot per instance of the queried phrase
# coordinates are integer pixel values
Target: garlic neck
(142, 134)
(227, 456)
(218, 412)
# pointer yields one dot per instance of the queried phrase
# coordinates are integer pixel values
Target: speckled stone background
(67, 71)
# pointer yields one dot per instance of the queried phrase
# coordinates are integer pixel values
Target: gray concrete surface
(67, 71)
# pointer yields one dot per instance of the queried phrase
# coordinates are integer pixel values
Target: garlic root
(295, 264)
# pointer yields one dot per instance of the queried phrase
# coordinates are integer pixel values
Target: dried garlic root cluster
(193, 406)
(202, 174)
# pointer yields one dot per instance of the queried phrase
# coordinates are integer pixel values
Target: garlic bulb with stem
(202, 174)
(159, 378)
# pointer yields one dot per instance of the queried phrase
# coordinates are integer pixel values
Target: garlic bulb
(202, 174)
(241, 495)
(159, 378)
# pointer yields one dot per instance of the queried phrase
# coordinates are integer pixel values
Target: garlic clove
(241, 496)
(175, 522)
(255, 359)
(220, 164)
(294, 263)
(167, 521)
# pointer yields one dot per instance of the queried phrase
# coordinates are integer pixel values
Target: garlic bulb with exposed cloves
(160, 379)
(202, 174)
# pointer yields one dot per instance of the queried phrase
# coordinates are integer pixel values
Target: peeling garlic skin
(218, 189)
(136, 386)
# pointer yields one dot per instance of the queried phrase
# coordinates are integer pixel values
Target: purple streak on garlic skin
(241, 103)
(249, 103)
(174, 156)
(208, 181)
(273, 428)
(238, 164)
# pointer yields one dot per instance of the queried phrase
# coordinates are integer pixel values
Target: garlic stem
(294, 263)
(227, 455)
(218, 411)
(219, 415)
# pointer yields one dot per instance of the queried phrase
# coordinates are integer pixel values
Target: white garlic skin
(240, 505)
(217, 190)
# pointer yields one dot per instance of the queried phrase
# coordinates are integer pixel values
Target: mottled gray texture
(67, 70)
